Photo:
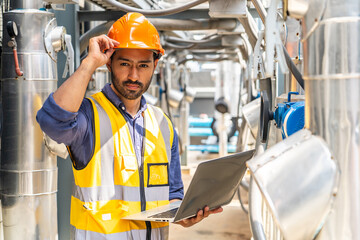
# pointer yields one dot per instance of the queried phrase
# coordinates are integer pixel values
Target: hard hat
(134, 31)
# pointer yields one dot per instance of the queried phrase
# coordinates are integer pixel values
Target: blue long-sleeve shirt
(76, 131)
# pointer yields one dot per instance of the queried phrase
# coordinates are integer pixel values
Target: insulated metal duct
(24, 4)
(28, 170)
(165, 25)
(332, 110)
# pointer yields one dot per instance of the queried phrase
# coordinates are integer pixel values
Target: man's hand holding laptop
(214, 184)
(201, 214)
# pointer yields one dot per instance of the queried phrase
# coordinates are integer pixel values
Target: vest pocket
(125, 169)
(107, 220)
(158, 174)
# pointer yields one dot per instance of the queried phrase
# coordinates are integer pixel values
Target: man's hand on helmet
(100, 49)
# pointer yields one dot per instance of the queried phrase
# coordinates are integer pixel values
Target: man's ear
(155, 63)
(108, 65)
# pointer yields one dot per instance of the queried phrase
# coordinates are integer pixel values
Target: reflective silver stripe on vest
(118, 192)
(156, 234)
(164, 128)
(157, 193)
(107, 147)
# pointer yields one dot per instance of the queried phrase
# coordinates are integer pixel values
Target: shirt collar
(108, 91)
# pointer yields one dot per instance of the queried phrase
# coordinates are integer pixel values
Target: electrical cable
(162, 12)
(244, 184)
(241, 202)
(293, 68)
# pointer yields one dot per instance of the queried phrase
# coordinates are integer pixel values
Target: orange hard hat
(133, 30)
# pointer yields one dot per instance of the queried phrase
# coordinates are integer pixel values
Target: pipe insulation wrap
(165, 25)
(162, 12)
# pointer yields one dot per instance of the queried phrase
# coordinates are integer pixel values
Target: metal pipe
(260, 9)
(194, 45)
(28, 170)
(16, 61)
(250, 28)
(89, 16)
(175, 46)
(24, 4)
(181, 40)
(206, 59)
(255, 213)
(332, 75)
(1, 223)
(164, 25)
(162, 12)
(223, 137)
(98, 30)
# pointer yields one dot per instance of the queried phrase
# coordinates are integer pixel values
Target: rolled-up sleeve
(61, 125)
(176, 190)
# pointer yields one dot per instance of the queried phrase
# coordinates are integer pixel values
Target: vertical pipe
(256, 216)
(332, 109)
(28, 171)
(184, 116)
(66, 18)
(1, 223)
(24, 4)
(223, 138)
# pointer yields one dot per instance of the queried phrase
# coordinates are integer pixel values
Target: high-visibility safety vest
(113, 186)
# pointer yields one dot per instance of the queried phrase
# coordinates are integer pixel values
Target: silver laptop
(214, 184)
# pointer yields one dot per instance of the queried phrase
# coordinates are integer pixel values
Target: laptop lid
(214, 184)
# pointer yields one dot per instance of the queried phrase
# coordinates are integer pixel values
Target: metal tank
(332, 73)
(28, 170)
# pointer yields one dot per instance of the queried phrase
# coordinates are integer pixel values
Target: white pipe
(98, 30)
(181, 40)
(162, 12)
(164, 25)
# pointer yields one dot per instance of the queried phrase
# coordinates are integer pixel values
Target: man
(124, 151)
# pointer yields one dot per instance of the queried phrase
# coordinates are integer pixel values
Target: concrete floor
(232, 223)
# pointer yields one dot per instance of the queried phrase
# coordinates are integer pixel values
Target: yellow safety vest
(113, 186)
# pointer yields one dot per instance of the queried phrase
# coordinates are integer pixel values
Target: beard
(126, 93)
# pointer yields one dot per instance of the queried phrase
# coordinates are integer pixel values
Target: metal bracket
(258, 67)
(69, 53)
(273, 41)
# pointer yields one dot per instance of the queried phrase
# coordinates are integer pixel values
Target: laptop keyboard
(167, 214)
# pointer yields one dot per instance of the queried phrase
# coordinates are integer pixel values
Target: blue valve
(290, 116)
